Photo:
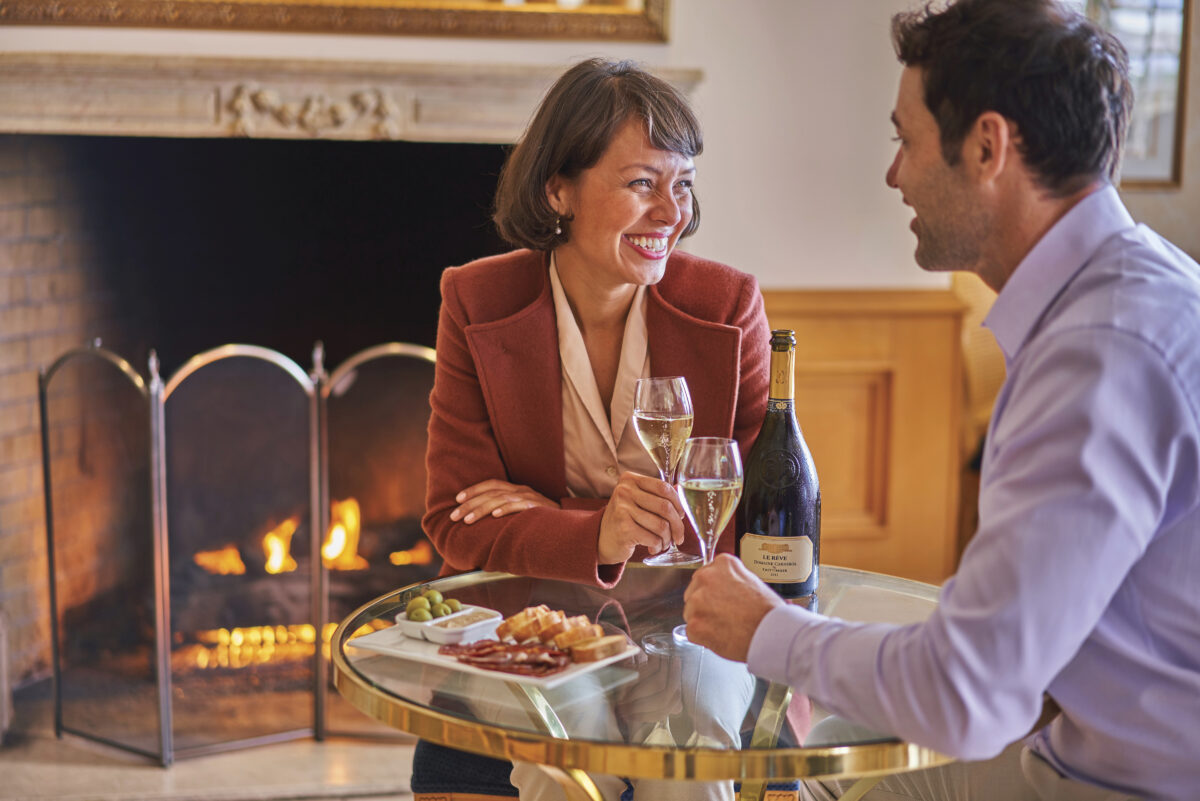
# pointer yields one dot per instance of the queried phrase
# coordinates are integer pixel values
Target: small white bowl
(466, 625)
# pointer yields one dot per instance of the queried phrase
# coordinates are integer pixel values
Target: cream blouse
(599, 447)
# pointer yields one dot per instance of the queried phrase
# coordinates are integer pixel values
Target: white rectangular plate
(393, 642)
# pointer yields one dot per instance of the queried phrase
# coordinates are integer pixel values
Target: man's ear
(558, 191)
(987, 147)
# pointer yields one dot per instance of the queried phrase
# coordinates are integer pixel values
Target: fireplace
(204, 464)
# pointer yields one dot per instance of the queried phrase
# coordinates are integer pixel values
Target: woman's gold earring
(558, 226)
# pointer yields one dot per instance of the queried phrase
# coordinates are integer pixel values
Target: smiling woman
(631, 20)
(535, 466)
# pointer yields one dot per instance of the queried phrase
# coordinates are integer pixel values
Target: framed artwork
(1155, 32)
(629, 20)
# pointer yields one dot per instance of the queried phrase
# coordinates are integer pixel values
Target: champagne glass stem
(672, 555)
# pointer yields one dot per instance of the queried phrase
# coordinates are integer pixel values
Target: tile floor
(35, 765)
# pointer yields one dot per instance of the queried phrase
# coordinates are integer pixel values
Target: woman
(534, 466)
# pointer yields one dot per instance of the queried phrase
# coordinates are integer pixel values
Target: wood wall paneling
(879, 392)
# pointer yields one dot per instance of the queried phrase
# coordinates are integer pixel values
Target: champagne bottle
(781, 505)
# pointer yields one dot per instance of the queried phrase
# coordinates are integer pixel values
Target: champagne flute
(710, 485)
(662, 417)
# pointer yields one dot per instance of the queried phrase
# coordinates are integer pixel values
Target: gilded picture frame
(627, 20)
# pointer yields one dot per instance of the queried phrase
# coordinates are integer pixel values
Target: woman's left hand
(496, 498)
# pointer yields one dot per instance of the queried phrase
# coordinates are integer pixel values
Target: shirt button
(612, 471)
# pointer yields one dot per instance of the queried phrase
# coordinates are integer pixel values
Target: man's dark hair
(1058, 76)
(570, 131)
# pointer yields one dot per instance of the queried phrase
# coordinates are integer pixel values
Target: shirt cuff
(770, 655)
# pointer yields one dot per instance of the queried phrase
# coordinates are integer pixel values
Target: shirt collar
(1056, 258)
(577, 366)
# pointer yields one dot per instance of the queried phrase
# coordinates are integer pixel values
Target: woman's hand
(496, 498)
(642, 511)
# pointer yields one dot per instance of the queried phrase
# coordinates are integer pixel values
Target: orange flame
(277, 544)
(223, 562)
(419, 554)
(340, 549)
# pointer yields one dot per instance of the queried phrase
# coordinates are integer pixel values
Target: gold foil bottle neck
(783, 364)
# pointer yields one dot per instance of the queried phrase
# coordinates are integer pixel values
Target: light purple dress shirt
(1083, 579)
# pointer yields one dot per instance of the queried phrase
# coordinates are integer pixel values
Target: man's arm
(1080, 465)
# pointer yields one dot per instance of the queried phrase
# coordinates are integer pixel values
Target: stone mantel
(138, 95)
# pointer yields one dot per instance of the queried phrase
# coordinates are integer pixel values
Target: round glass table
(662, 710)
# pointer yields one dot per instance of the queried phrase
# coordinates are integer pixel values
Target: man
(1083, 579)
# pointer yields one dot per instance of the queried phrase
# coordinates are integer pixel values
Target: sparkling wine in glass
(710, 484)
(662, 417)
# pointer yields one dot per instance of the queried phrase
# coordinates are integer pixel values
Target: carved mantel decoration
(126, 95)
(315, 114)
(629, 20)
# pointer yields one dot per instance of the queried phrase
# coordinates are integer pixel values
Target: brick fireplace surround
(50, 299)
(46, 307)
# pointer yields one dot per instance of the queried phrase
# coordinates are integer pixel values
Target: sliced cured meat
(525, 660)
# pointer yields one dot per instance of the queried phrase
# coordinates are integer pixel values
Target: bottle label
(777, 560)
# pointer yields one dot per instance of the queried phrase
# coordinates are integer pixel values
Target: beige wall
(1174, 212)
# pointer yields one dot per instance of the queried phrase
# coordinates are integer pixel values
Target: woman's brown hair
(572, 128)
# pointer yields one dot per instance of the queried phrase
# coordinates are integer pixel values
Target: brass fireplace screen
(191, 595)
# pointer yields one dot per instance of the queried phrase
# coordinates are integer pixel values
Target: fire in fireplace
(339, 550)
(245, 646)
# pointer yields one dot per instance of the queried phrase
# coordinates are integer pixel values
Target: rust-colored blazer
(497, 402)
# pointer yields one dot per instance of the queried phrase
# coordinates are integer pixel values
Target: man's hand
(496, 498)
(641, 511)
(723, 605)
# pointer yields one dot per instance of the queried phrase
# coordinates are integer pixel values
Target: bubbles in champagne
(662, 436)
(709, 503)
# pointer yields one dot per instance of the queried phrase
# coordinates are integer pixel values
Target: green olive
(440, 610)
(454, 604)
(433, 596)
(419, 602)
(420, 615)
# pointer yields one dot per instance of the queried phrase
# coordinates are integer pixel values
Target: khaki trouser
(1017, 774)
